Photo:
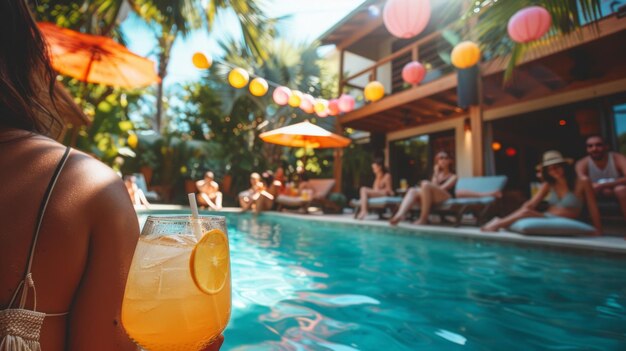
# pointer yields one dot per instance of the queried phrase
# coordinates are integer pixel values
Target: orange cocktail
(178, 293)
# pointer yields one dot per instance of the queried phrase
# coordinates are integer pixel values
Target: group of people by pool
(565, 186)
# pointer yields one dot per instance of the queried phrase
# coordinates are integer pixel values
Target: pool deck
(606, 244)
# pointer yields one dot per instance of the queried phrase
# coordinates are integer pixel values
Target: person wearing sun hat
(565, 193)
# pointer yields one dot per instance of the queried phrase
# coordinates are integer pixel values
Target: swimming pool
(309, 285)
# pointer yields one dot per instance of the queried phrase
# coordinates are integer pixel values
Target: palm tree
(175, 18)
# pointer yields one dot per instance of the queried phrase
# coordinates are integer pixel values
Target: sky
(307, 20)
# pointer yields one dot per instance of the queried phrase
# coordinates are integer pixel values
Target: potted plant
(148, 161)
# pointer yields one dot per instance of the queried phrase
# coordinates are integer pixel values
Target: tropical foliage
(232, 119)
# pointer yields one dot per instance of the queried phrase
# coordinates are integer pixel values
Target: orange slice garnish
(209, 262)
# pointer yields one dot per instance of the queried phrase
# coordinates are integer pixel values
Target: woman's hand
(215, 346)
(436, 169)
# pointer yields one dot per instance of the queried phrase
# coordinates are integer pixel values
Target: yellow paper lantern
(258, 87)
(320, 106)
(465, 55)
(295, 99)
(201, 61)
(132, 140)
(374, 91)
(238, 78)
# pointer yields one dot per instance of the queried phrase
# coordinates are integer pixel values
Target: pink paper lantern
(322, 114)
(528, 24)
(346, 103)
(333, 107)
(413, 72)
(406, 18)
(307, 103)
(281, 95)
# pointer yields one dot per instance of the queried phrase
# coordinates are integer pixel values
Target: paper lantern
(465, 55)
(346, 103)
(132, 140)
(333, 107)
(374, 91)
(281, 95)
(295, 99)
(322, 114)
(238, 78)
(201, 61)
(406, 18)
(413, 72)
(510, 151)
(528, 24)
(307, 103)
(321, 105)
(258, 86)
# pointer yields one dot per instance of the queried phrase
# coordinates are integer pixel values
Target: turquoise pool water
(307, 285)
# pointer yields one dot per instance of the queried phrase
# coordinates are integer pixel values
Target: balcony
(547, 68)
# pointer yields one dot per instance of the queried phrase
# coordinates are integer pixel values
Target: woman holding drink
(69, 228)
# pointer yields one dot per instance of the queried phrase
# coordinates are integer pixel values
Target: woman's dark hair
(25, 71)
(568, 170)
(380, 162)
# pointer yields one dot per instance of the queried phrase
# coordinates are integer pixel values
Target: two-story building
(571, 87)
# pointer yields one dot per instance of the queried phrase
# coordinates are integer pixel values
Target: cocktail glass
(178, 292)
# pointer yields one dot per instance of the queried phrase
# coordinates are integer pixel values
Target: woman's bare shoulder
(84, 181)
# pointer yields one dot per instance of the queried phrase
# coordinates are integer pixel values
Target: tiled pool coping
(608, 244)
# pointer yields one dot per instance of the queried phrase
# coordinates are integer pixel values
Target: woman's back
(85, 244)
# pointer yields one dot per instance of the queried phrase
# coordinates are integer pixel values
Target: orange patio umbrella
(305, 134)
(96, 59)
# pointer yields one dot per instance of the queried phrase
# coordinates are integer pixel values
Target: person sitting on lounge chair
(605, 169)
(382, 186)
(247, 197)
(439, 189)
(269, 188)
(566, 195)
(208, 192)
(137, 195)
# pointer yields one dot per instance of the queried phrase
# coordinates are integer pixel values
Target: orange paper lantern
(258, 87)
(465, 55)
(374, 91)
(201, 61)
(238, 78)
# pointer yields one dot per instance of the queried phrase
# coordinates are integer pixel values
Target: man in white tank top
(605, 169)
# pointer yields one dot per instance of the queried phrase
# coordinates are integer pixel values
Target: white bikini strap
(27, 282)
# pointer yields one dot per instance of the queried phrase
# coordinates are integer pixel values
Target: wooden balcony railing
(432, 51)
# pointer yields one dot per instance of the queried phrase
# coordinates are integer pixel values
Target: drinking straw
(195, 221)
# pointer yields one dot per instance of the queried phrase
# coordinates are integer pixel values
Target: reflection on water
(305, 285)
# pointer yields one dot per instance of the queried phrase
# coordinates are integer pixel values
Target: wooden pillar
(476, 127)
(341, 63)
(338, 159)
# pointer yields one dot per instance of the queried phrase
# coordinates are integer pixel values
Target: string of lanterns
(239, 78)
(403, 19)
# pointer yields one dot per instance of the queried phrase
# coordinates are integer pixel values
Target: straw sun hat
(553, 157)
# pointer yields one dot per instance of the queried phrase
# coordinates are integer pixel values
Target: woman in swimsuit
(566, 195)
(69, 229)
(208, 192)
(381, 187)
(429, 193)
